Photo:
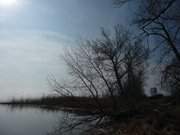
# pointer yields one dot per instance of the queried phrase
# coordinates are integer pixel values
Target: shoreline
(153, 115)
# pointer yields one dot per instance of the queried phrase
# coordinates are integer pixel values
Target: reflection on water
(28, 121)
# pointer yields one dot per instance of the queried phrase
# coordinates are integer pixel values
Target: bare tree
(159, 20)
(135, 58)
(171, 75)
(104, 66)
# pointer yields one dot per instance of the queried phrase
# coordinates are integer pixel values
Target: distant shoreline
(79, 105)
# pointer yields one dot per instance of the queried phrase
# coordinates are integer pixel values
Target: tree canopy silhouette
(111, 66)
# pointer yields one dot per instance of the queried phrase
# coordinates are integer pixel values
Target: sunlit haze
(8, 3)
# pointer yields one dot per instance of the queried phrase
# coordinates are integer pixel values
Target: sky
(34, 33)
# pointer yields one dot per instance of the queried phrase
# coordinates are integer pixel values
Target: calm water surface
(28, 121)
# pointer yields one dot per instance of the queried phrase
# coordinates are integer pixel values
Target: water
(28, 121)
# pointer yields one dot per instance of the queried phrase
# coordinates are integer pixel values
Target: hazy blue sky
(33, 34)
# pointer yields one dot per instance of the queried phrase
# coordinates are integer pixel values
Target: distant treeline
(85, 103)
